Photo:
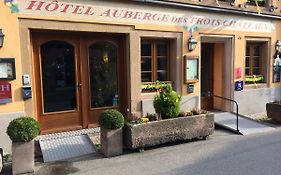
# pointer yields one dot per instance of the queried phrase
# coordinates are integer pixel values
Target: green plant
(152, 117)
(182, 114)
(154, 86)
(254, 79)
(23, 129)
(7, 157)
(196, 111)
(167, 103)
(111, 119)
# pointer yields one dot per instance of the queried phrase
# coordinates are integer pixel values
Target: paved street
(223, 154)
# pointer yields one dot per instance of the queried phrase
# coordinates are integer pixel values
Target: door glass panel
(58, 76)
(103, 74)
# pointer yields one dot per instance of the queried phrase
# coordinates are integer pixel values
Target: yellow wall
(11, 49)
(10, 25)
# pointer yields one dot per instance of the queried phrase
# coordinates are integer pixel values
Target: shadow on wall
(253, 101)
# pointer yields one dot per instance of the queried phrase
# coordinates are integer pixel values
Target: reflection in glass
(162, 48)
(277, 69)
(256, 61)
(146, 49)
(103, 74)
(162, 69)
(256, 51)
(146, 63)
(191, 69)
(58, 76)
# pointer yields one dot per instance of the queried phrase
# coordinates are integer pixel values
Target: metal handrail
(237, 114)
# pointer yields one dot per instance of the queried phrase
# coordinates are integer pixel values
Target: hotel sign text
(137, 14)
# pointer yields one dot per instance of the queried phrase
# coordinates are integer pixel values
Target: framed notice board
(7, 69)
(191, 72)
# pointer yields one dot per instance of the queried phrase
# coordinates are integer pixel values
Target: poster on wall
(191, 69)
(5, 92)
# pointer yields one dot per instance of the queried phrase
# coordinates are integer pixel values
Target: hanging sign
(5, 92)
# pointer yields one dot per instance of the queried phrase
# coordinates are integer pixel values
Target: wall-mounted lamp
(192, 43)
(278, 46)
(1, 38)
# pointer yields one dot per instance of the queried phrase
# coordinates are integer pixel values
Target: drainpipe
(215, 9)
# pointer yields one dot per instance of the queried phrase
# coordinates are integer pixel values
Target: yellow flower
(144, 120)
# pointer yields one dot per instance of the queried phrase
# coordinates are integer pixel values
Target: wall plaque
(5, 92)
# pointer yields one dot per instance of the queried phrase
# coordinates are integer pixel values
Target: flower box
(273, 111)
(139, 136)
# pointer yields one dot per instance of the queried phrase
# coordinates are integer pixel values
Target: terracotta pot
(111, 142)
(23, 157)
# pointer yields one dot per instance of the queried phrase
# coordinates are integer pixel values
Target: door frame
(82, 69)
(116, 40)
(228, 66)
(46, 125)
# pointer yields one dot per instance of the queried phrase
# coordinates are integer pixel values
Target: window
(255, 64)
(262, 3)
(154, 60)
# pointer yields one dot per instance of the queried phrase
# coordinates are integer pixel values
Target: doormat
(64, 148)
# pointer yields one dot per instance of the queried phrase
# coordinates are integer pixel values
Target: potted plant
(111, 122)
(167, 103)
(273, 110)
(174, 125)
(22, 131)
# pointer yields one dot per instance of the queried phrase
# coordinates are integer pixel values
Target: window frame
(252, 58)
(154, 61)
(265, 61)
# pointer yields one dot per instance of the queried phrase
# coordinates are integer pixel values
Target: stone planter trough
(139, 136)
(274, 111)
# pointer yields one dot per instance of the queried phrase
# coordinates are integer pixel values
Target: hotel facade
(65, 61)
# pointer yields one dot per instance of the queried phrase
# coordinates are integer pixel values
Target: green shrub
(111, 119)
(23, 129)
(167, 103)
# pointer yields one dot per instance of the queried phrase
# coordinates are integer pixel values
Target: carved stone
(140, 136)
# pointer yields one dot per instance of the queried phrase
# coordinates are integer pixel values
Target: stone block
(274, 111)
(22, 157)
(111, 142)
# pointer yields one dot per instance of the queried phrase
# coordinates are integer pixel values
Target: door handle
(79, 85)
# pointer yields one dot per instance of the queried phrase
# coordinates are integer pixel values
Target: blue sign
(239, 85)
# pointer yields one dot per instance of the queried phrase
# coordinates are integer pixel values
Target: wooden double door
(77, 76)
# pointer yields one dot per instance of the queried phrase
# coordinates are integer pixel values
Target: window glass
(255, 64)
(58, 76)
(162, 49)
(103, 74)
(154, 60)
(145, 49)
(259, 3)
